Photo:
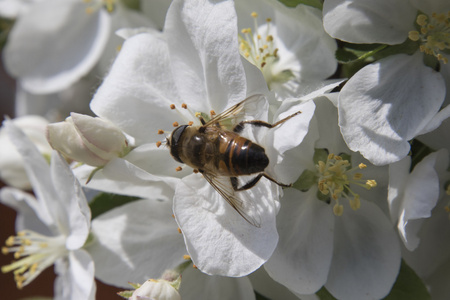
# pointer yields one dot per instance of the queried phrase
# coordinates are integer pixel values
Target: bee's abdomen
(243, 157)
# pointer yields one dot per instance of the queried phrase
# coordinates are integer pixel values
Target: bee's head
(173, 141)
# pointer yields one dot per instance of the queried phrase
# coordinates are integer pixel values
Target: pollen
(336, 178)
(175, 124)
(433, 35)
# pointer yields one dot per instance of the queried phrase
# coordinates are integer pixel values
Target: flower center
(34, 253)
(434, 34)
(94, 5)
(334, 178)
(258, 47)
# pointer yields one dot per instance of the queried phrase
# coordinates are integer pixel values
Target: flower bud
(86, 139)
(12, 170)
(156, 290)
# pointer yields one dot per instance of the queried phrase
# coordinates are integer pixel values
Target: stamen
(334, 179)
(158, 144)
(186, 257)
(434, 35)
(160, 131)
(184, 105)
(179, 230)
(178, 169)
(175, 124)
(172, 106)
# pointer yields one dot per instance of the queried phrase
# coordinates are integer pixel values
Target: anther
(178, 169)
(175, 124)
(212, 113)
(158, 144)
(184, 105)
(195, 171)
(172, 106)
(254, 14)
(186, 257)
(190, 123)
(179, 230)
(160, 131)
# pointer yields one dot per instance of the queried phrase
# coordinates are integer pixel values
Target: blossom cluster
(220, 149)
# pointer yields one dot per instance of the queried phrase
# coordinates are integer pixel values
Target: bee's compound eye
(174, 139)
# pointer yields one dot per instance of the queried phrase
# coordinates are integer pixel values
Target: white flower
(287, 44)
(405, 93)
(58, 229)
(55, 43)
(334, 234)
(196, 62)
(89, 140)
(12, 170)
(143, 241)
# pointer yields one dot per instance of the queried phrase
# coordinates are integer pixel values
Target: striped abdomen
(240, 156)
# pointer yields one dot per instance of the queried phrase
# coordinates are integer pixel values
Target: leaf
(104, 202)
(293, 3)
(408, 286)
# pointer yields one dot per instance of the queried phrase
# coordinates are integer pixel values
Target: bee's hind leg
(240, 126)
(253, 182)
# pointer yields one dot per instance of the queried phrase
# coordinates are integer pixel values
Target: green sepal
(313, 3)
(320, 155)
(105, 201)
(306, 180)
(125, 294)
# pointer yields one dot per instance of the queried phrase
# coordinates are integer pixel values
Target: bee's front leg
(239, 127)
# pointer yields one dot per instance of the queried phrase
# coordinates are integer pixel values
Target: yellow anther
(268, 20)
(179, 230)
(338, 209)
(269, 38)
(10, 241)
(362, 166)
(178, 169)
(254, 14)
(371, 183)
(190, 123)
(158, 144)
(357, 176)
(172, 106)
(175, 124)
(5, 250)
(160, 131)
(186, 257)
(184, 105)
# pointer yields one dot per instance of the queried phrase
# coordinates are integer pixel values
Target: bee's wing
(236, 113)
(240, 201)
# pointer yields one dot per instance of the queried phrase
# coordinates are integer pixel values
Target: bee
(221, 154)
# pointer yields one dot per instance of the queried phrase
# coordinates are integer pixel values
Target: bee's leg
(248, 185)
(239, 127)
(273, 180)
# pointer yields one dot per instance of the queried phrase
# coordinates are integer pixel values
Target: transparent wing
(236, 113)
(240, 201)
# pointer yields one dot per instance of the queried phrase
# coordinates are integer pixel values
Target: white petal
(195, 285)
(398, 177)
(404, 93)
(75, 277)
(302, 258)
(366, 21)
(37, 169)
(54, 44)
(29, 214)
(420, 197)
(139, 89)
(203, 43)
(135, 242)
(304, 47)
(218, 239)
(269, 288)
(366, 256)
(286, 137)
(70, 207)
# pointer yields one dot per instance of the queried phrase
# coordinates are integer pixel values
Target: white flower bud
(86, 139)
(12, 171)
(156, 290)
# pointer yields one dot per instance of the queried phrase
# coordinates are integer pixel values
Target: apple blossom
(406, 94)
(53, 227)
(284, 43)
(88, 140)
(332, 229)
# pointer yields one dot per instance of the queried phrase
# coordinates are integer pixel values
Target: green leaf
(293, 3)
(408, 286)
(324, 294)
(104, 202)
